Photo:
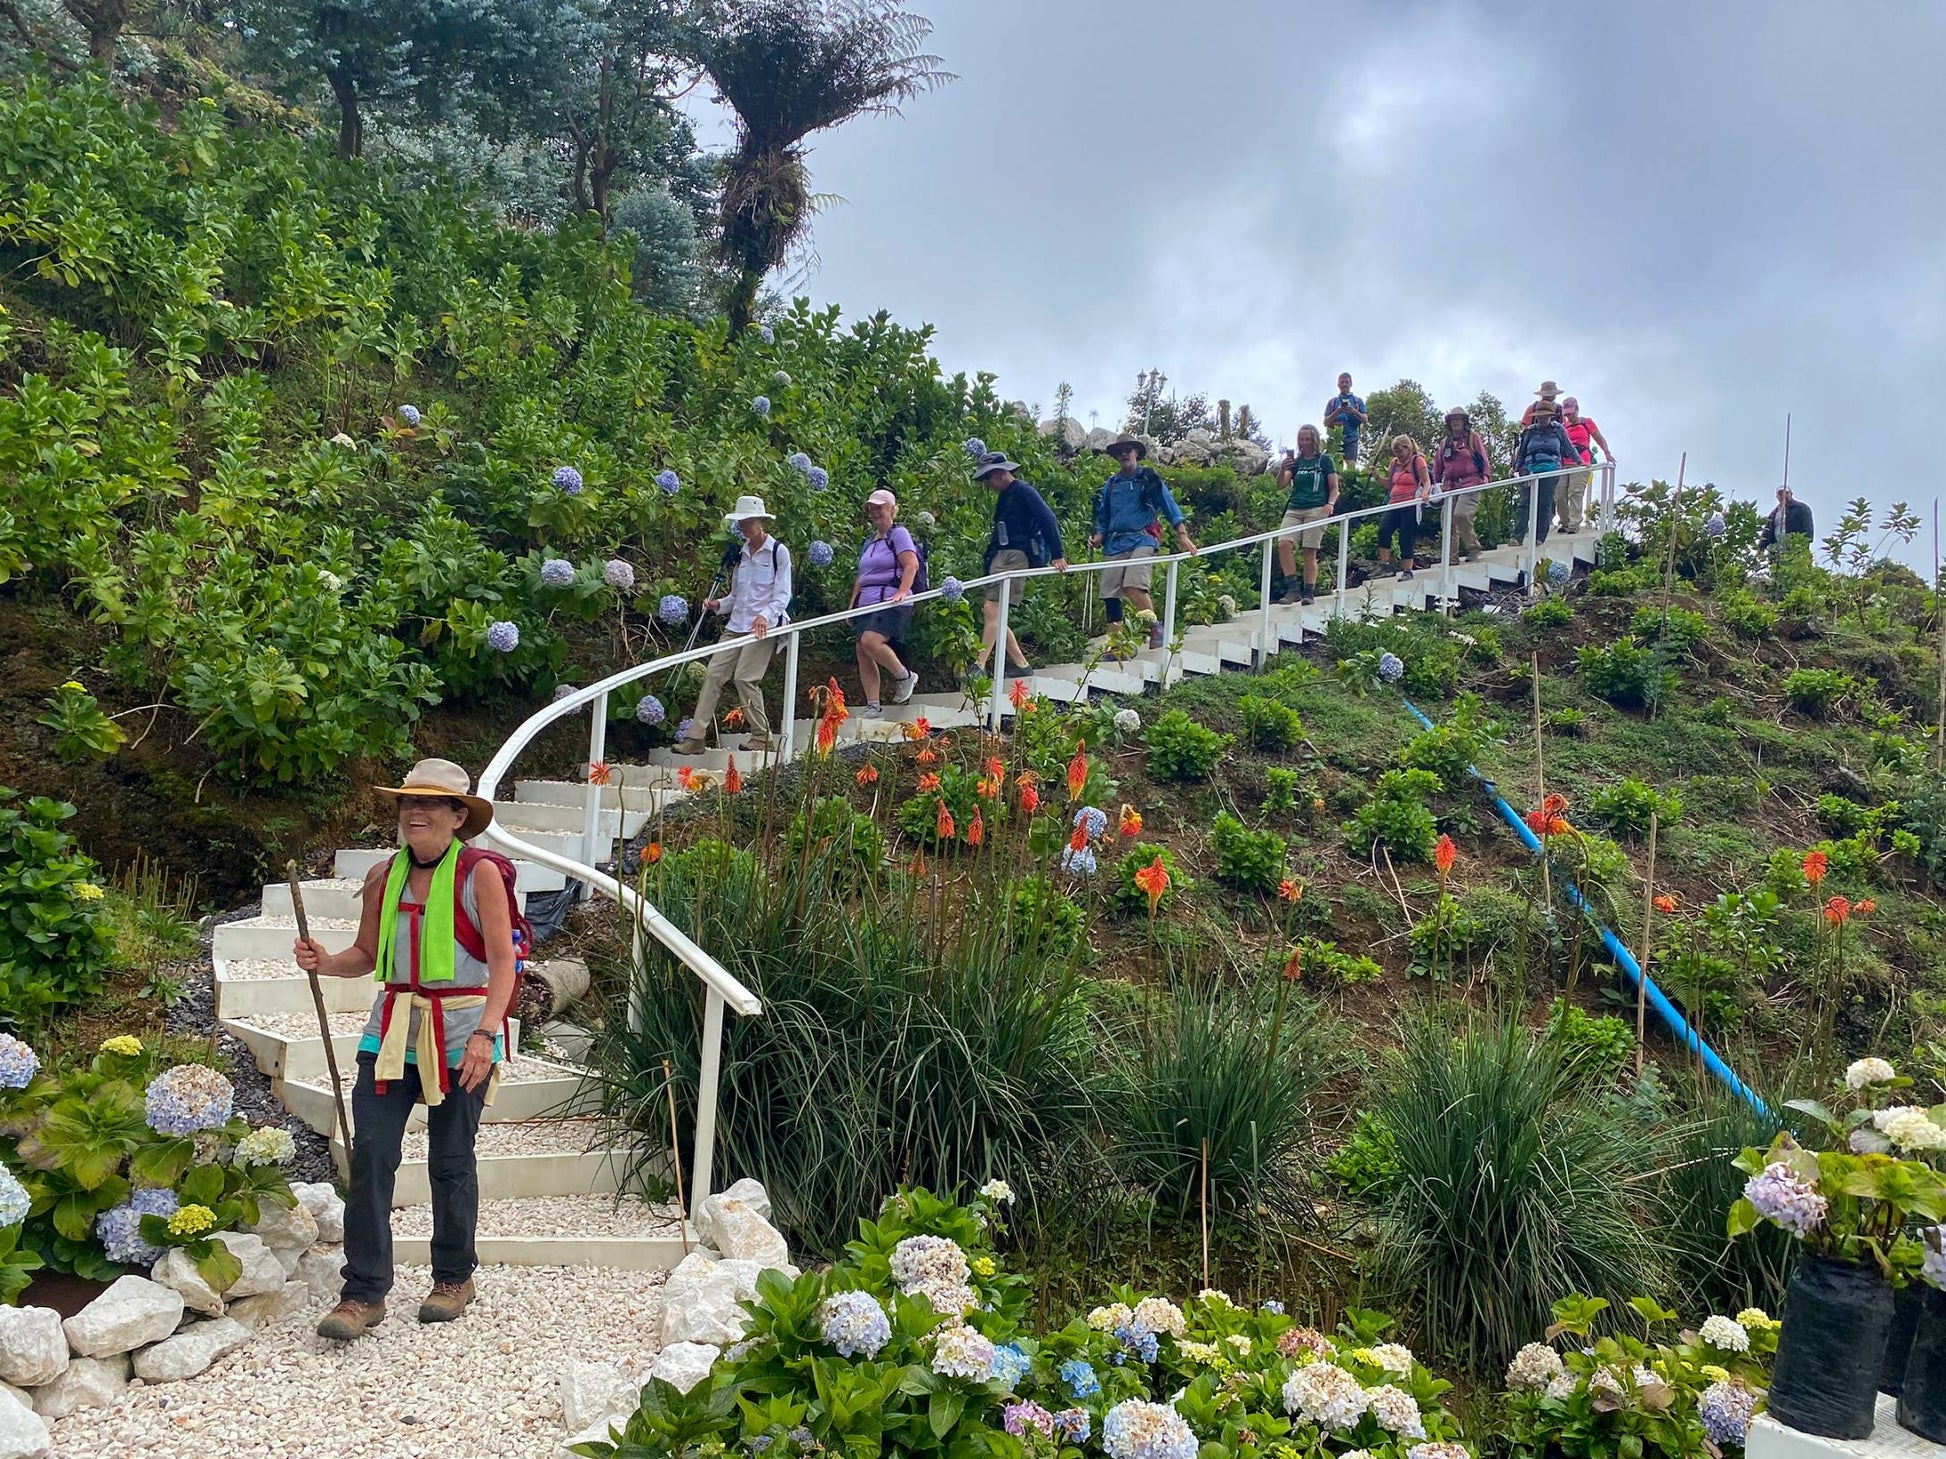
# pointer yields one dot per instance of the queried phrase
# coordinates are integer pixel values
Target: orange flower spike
(1079, 840)
(1018, 693)
(733, 719)
(1030, 799)
(1444, 855)
(996, 770)
(1837, 911)
(1290, 891)
(836, 695)
(977, 832)
(827, 736)
(1131, 822)
(732, 779)
(1153, 881)
(652, 854)
(868, 775)
(1665, 904)
(686, 777)
(1078, 771)
(928, 783)
(927, 756)
(1294, 965)
(1554, 803)
(1864, 907)
(918, 729)
(599, 773)
(944, 825)
(1816, 864)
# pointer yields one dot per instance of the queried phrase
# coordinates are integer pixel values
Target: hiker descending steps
(759, 600)
(439, 925)
(1128, 514)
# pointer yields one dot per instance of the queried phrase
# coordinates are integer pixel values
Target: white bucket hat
(747, 506)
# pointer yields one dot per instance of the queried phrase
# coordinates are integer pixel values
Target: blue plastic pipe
(1665, 1010)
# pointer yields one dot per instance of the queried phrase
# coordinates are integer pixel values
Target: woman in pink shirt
(1582, 433)
(1409, 489)
(1461, 462)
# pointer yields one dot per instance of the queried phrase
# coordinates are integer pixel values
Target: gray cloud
(1696, 216)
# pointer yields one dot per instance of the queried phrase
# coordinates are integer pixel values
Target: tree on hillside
(789, 68)
(1404, 407)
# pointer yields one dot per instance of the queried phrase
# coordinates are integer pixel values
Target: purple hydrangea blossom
(1391, 668)
(1716, 526)
(618, 574)
(1075, 1425)
(188, 1098)
(1018, 1418)
(561, 691)
(668, 481)
(567, 479)
(1272, 1306)
(781, 380)
(761, 405)
(685, 727)
(673, 610)
(799, 462)
(1788, 1199)
(650, 711)
(15, 1203)
(975, 447)
(952, 589)
(119, 1229)
(853, 1323)
(502, 636)
(557, 572)
(1080, 1377)
(409, 414)
(1558, 572)
(1726, 1410)
(766, 334)
(819, 478)
(820, 554)
(18, 1063)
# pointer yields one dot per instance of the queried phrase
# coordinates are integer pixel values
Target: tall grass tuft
(1513, 1188)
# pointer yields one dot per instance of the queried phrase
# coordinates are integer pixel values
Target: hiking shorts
(1134, 571)
(1312, 539)
(1007, 559)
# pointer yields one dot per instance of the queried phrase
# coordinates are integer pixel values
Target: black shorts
(890, 623)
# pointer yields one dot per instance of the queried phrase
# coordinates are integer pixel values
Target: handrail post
(1446, 556)
(597, 752)
(999, 693)
(1263, 609)
(706, 1081)
(1169, 620)
(1344, 565)
(790, 699)
(1608, 496)
(1533, 529)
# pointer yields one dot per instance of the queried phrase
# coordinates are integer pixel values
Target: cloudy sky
(1696, 216)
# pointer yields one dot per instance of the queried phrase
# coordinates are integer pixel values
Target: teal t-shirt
(1309, 481)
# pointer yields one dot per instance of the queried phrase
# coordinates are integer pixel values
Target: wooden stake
(1642, 958)
(1540, 787)
(675, 1155)
(1939, 612)
(1675, 508)
(324, 1018)
(1205, 1206)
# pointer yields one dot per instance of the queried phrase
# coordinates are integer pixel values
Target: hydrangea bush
(918, 1342)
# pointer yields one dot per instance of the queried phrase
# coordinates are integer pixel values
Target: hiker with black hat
(758, 600)
(437, 926)
(1127, 514)
(1025, 535)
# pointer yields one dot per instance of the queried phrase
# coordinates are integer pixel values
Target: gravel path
(524, 1137)
(253, 968)
(485, 1385)
(595, 1215)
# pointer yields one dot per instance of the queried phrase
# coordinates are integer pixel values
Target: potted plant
(1852, 1208)
(1922, 1390)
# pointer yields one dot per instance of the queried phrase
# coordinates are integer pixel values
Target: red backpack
(469, 937)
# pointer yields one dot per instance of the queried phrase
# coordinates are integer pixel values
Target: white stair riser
(619, 1253)
(528, 1100)
(538, 816)
(627, 795)
(241, 997)
(511, 1177)
(283, 1058)
(324, 901)
(530, 876)
(259, 940)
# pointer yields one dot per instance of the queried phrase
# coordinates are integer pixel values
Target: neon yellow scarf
(435, 925)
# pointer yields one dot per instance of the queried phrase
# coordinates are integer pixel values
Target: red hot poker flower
(868, 775)
(944, 825)
(1816, 864)
(1030, 799)
(1131, 822)
(1444, 855)
(1290, 891)
(1864, 907)
(1152, 881)
(977, 832)
(732, 779)
(1078, 771)
(928, 783)
(599, 773)
(1293, 965)
(1665, 904)
(686, 777)
(1837, 911)
(1018, 693)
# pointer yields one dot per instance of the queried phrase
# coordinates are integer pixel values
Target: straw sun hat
(443, 780)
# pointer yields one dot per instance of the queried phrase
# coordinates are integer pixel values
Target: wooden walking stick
(324, 1018)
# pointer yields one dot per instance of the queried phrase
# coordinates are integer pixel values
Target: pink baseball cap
(882, 498)
(1568, 402)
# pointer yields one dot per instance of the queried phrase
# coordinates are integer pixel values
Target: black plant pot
(1836, 1317)
(1898, 1342)
(1922, 1397)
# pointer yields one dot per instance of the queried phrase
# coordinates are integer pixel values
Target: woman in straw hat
(437, 926)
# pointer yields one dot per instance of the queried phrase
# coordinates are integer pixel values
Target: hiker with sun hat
(438, 926)
(758, 601)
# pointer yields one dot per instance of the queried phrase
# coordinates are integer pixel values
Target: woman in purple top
(887, 568)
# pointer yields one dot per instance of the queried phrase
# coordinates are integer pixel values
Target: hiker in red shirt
(1584, 435)
(1461, 462)
(438, 923)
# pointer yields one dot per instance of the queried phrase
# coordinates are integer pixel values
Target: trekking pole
(324, 1018)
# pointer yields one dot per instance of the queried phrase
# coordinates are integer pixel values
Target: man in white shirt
(758, 600)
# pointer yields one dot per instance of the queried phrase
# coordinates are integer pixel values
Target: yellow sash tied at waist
(395, 1037)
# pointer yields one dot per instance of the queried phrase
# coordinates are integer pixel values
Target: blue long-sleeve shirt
(1024, 522)
(1126, 506)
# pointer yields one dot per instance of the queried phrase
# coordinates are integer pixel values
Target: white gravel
(485, 1385)
(594, 1215)
(524, 1137)
(329, 924)
(253, 968)
(292, 1026)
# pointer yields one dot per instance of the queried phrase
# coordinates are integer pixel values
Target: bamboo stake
(1675, 507)
(1540, 786)
(1642, 959)
(675, 1154)
(324, 1018)
(1205, 1206)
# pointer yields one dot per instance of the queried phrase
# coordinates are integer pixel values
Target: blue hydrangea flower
(14, 1200)
(975, 447)
(952, 589)
(18, 1063)
(1726, 1410)
(799, 462)
(1010, 1365)
(673, 610)
(1137, 1342)
(819, 478)
(1080, 1378)
(650, 711)
(1272, 1306)
(1079, 863)
(557, 572)
(502, 636)
(1391, 668)
(820, 554)
(766, 334)
(561, 691)
(1095, 818)
(618, 574)
(781, 380)
(685, 727)
(119, 1229)
(409, 414)
(668, 481)
(1074, 1425)
(926, 520)
(854, 1323)
(761, 405)
(188, 1098)
(1716, 526)
(1558, 572)
(568, 480)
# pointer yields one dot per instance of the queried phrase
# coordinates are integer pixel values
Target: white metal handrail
(721, 987)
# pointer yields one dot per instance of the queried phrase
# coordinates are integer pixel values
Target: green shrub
(1367, 1164)
(1678, 630)
(1748, 616)
(1625, 807)
(1573, 723)
(1486, 926)
(1397, 817)
(1250, 861)
(81, 730)
(1624, 674)
(844, 842)
(959, 791)
(1450, 750)
(1594, 1045)
(1815, 693)
(1041, 913)
(1269, 724)
(1182, 749)
(54, 948)
(1128, 897)
(1842, 816)
(1280, 797)
(1550, 612)
(1322, 962)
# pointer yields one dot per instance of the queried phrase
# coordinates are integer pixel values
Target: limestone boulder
(268, 1307)
(23, 1433)
(131, 1314)
(685, 1364)
(177, 1270)
(87, 1383)
(592, 1393)
(33, 1349)
(322, 1271)
(289, 1232)
(326, 1206)
(701, 1303)
(262, 1271)
(740, 1234)
(190, 1351)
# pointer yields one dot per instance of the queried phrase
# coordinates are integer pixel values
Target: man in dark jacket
(1791, 519)
(1544, 447)
(1025, 535)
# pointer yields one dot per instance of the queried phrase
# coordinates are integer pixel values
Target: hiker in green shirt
(1312, 479)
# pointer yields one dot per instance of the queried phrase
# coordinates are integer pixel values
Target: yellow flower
(122, 1043)
(1715, 1374)
(86, 891)
(75, 685)
(983, 1266)
(1755, 1319)
(191, 1221)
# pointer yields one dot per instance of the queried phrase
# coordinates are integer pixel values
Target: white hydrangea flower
(1394, 1357)
(1755, 1319)
(1910, 1128)
(266, 1146)
(1867, 1141)
(1725, 1333)
(960, 1352)
(1199, 1352)
(1114, 1315)
(1534, 1366)
(999, 1192)
(1159, 1314)
(1867, 1071)
(1326, 1395)
(1212, 1294)
(1240, 1342)
(1561, 1385)
(1396, 1411)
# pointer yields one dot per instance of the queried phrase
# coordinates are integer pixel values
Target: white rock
(132, 1313)
(267, 1307)
(262, 1271)
(747, 1272)
(596, 1433)
(88, 1383)
(1099, 437)
(594, 1392)
(23, 1433)
(33, 1349)
(322, 1271)
(751, 1193)
(177, 1270)
(289, 1231)
(326, 1206)
(685, 1364)
(21, 1393)
(700, 1304)
(190, 1351)
(743, 1235)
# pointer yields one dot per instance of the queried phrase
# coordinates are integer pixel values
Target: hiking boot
(1308, 596)
(756, 740)
(446, 1301)
(350, 1319)
(690, 747)
(1405, 575)
(1290, 598)
(872, 710)
(902, 691)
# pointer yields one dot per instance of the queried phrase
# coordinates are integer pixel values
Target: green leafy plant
(1280, 797)
(1130, 898)
(1549, 612)
(1748, 616)
(1269, 724)
(1626, 807)
(1624, 674)
(1182, 749)
(1250, 861)
(848, 837)
(1595, 1045)
(1815, 693)
(1325, 963)
(1367, 1164)
(1677, 630)
(81, 730)
(54, 947)
(1040, 912)
(1397, 817)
